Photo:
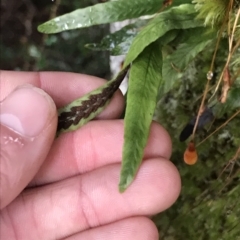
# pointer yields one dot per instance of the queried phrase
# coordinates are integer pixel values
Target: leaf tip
(47, 27)
(121, 188)
(124, 183)
(39, 28)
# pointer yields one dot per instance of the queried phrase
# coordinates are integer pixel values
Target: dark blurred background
(22, 47)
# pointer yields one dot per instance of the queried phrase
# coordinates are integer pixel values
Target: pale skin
(71, 189)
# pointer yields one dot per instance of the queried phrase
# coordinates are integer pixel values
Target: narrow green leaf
(144, 81)
(195, 40)
(101, 13)
(119, 42)
(82, 110)
(181, 17)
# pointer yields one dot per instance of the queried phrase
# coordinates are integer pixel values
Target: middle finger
(96, 144)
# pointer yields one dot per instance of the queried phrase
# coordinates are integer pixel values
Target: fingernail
(27, 110)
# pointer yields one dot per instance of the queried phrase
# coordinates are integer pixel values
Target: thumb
(28, 120)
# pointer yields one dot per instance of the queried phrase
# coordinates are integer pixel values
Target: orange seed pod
(190, 155)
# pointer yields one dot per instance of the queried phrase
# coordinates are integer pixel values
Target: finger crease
(88, 210)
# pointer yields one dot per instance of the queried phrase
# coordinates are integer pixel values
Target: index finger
(62, 87)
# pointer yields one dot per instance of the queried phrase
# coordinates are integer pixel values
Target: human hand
(67, 188)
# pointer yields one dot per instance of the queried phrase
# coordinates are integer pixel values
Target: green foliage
(103, 13)
(195, 41)
(208, 205)
(144, 81)
(232, 103)
(176, 18)
(119, 42)
(212, 12)
(108, 12)
(170, 56)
